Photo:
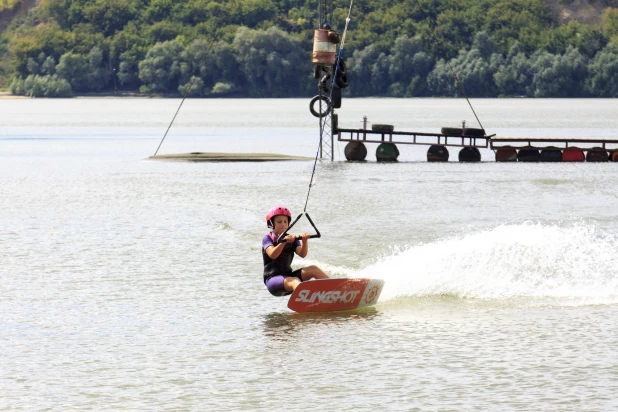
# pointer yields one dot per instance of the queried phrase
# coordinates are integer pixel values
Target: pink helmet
(277, 211)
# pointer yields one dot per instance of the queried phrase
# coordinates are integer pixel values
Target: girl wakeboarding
(278, 253)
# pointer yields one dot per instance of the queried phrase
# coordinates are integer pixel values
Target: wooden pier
(370, 136)
(506, 149)
(499, 142)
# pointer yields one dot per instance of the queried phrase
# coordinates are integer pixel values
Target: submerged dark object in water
(597, 154)
(573, 154)
(506, 154)
(437, 153)
(355, 151)
(469, 154)
(387, 152)
(551, 154)
(528, 154)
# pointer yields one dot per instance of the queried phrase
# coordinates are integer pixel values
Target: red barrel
(573, 154)
(324, 52)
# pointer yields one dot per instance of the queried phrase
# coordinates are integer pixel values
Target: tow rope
(317, 154)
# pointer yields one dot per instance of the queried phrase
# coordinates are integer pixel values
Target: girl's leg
(290, 283)
(313, 272)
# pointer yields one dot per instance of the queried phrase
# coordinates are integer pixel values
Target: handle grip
(299, 238)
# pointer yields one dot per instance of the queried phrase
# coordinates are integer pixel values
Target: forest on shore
(262, 48)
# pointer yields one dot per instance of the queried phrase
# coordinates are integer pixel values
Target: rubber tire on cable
(470, 131)
(342, 81)
(325, 105)
(382, 128)
(342, 75)
(343, 69)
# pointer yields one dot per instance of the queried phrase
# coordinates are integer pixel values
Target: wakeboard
(326, 295)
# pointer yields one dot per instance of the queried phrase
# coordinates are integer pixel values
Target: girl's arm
(273, 252)
(304, 247)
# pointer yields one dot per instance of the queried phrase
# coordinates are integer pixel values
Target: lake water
(132, 284)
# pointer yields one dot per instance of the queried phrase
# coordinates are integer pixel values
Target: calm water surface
(131, 284)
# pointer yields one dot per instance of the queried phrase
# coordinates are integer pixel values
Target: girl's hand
(304, 236)
(289, 238)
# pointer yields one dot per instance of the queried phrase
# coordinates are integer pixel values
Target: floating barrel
(528, 154)
(437, 153)
(506, 154)
(614, 156)
(387, 152)
(573, 154)
(324, 51)
(597, 154)
(355, 151)
(469, 154)
(551, 154)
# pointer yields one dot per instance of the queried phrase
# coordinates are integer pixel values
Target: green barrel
(387, 152)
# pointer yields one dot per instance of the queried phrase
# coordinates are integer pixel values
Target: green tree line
(262, 48)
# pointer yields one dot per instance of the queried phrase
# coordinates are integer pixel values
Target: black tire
(342, 75)
(470, 131)
(325, 106)
(342, 81)
(382, 128)
(343, 69)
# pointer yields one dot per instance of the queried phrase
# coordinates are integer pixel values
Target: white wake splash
(529, 260)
